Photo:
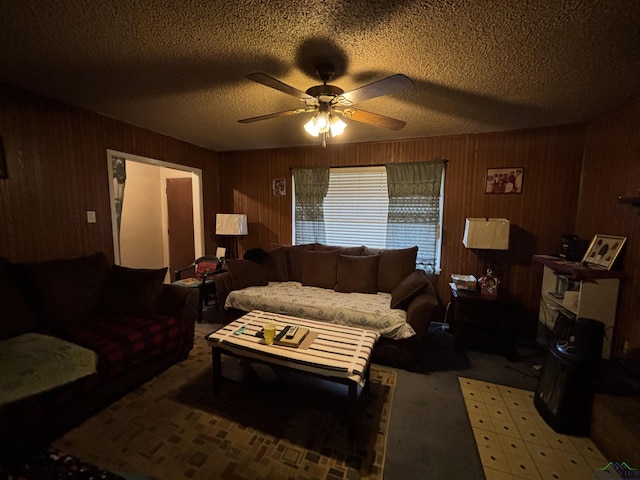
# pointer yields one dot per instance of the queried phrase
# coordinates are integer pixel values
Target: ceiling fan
(331, 102)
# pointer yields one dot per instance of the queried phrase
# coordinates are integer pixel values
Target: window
(353, 209)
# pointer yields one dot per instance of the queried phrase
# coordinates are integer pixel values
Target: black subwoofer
(564, 394)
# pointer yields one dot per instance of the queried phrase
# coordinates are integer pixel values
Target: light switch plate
(91, 216)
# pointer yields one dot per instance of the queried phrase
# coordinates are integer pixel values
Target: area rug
(514, 441)
(262, 424)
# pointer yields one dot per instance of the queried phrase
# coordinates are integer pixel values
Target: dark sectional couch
(339, 269)
(136, 325)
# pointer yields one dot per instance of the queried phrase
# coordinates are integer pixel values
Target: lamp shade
(231, 224)
(486, 233)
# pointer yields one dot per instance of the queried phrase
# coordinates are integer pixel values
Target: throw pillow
(320, 269)
(395, 266)
(408, 288)
(131, 291)
(245, 273)
(357, 274)
(344, 250)
(66, 290)
(295, 260)
(276, 265)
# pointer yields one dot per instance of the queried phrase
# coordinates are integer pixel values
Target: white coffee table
(334, 352)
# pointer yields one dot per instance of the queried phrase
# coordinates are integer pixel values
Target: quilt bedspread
(363, 310)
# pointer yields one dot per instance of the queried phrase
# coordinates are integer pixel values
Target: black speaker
(564, 394)
(588, 338)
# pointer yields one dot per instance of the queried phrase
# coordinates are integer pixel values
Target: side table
(485, 322)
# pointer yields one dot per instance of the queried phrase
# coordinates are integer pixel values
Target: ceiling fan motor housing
(324, 93)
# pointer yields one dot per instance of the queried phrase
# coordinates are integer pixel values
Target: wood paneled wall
(56, 159)
(551, 158)
(611, 170)
(57, 164)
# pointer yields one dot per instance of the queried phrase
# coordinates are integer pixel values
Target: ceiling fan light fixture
(320, 123)
(311, 127)
(337, 126)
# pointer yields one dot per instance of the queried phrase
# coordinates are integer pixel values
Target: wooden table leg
(367, 377)
(216, 364)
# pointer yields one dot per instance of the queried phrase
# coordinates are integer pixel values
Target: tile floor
(514, 442)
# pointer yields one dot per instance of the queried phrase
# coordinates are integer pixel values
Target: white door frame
(198, 202)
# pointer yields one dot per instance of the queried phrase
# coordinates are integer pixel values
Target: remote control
(292, 331)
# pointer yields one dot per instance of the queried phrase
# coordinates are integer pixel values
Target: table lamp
(487, 234)
(232, 224)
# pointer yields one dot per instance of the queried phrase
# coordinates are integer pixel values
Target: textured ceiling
(178, 67)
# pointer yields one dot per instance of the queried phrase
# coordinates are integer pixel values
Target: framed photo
(279, 187)
(603, 251)
(3, 161)
(504, 180)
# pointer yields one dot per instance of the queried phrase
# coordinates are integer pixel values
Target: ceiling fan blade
(286, 113)
(269, 81)
(372, 119)
(376, 89)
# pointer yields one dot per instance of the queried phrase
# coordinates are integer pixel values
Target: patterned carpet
(281, 426)
(515, 443)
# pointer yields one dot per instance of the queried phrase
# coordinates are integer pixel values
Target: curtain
(311, 186)
(414, 209)
(119, 179)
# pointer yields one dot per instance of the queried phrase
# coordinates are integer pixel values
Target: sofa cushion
(357, 274)
(124, 341)
(66, 290)
(276, 265)
(246, 273)
(320, 269)
(295, 260)
(15, 315)
(131, 291)
(408, 288)
(395, 265)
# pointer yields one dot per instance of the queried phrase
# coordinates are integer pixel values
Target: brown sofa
(135, 326)
(324, 273)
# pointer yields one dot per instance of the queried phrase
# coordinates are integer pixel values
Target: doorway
(141, 236)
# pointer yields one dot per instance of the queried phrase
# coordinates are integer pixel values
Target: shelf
(596, 296)
(576, 270)
(559, 303)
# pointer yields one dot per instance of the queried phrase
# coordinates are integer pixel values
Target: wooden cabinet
(586, 293)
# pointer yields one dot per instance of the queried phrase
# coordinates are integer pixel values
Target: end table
(485, 322)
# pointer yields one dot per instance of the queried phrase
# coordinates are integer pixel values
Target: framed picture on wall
(504, 180)
(279, 187)
(3, 161)
(603, 251)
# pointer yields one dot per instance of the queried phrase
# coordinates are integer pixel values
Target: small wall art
(279, 187)
(504, 180)
(603, 251)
